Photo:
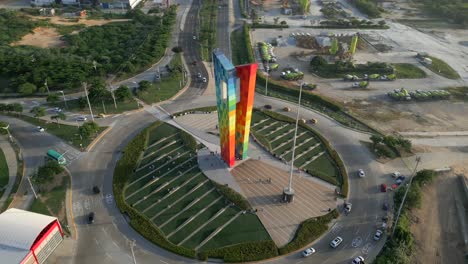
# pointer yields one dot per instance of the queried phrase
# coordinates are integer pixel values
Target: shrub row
(200, 109)
(188, 141)
(244, 252)
(342, 174)
(263, 25)
(124, 168)
(308, 231)
(233, 196)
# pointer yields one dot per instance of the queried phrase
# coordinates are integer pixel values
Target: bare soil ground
(42, 37)
(48, 37)
(435, 226)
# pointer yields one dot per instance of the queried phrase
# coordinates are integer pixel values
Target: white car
(361, 173)
(378, 235)
(40, 129)
(396, 174)
(199, 75)
(347, 207)
(204, 79)
(82, 118)
(308, 252)
(358, 260)
(336, 242)
(57, 109)
(194, 37)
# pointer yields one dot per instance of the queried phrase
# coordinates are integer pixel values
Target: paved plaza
(263, 184)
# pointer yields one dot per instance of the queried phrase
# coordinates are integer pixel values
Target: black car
(91, 218)
(268, 106)
(96, 190)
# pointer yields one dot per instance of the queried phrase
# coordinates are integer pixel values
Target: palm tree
(60, 116)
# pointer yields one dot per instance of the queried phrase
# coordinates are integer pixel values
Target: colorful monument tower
(235, 89)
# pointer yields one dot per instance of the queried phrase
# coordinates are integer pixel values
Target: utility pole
(133, 252)
(103, 106)
(46, 86)
(87, 99)
(267, 75)
(64, 99)
(418, 159)
(111, 88)
(32, 188)
(288, 192)
(8, 131)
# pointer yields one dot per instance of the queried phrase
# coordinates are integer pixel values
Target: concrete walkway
(10, 157)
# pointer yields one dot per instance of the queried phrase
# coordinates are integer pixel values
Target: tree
(27, 88)
(46, 173)
(58, 116)
(122, 93)
(17, 107)
(283, 23)
(38, 111)
(334, 46)
(382, 23)
(376, 139)
(3, 131)
(144, 85)
(52, 98)
(317, 62)
(88, 129)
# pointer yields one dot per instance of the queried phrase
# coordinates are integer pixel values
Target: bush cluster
(368, 7)
(263, 25)
(308, 231)
(188, 140)
(250, 251)
(207, 109)
(233, 196)
(332, 70)
(389, 146)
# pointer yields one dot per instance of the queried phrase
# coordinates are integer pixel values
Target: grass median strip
(441, 68)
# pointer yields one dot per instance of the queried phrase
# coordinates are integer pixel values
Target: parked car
(378, 235)
(199, 75)
(385, 206)
(396, 174)
(268, 107)
(313, 121)
(287, 109)
(204, 79)
(101, 115)
(348, 207)
(194, 37)
(82, 118)
(57, 109)
(91, 218)
(336, 242)
(40, 129)
(358, 260)
(361, 173)
(383, 187)
(96, 190)
(308, 252)
(400, 179)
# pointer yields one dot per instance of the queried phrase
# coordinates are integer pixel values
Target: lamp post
(8, 131)
(65, 100)
(418, 159)
(267, 75)
(288, 192)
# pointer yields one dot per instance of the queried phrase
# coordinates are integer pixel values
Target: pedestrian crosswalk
(69, 153)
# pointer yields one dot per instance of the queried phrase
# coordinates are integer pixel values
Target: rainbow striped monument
(235, 89)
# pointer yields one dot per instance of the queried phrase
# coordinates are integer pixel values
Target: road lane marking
(163, 261)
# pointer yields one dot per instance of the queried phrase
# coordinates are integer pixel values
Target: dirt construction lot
(436, 225)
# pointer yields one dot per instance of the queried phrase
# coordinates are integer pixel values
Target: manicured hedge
(343, 175)
(188, 140)
(309, 231)
(244, 252)
(124, 168)
(200, 109)
(233, 196)
(262, 25)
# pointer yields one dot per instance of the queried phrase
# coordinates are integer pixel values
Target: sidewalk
(12, 163)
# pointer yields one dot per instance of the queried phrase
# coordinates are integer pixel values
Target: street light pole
(418, 159)
(32, 188)
(87, 99)
(133, 253)
(267, 75)
(46, 86)
(64, 100)
(288, 192)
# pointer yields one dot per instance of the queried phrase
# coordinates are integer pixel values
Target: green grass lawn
(408, 71)
(207, 36)
(67, 133)
(55, 199)
(459, 93)
(39, 207)
(98, 108)
(166, 87)
(174, 186)
(441, 68)
(304, 151)
(4, 172)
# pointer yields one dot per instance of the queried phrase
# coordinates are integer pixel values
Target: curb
(71, 223)
(96, 140)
